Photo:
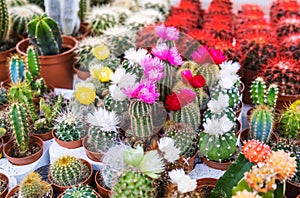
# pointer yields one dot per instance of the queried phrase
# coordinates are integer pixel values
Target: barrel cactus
(290, 121)
(68, 171)
(45, 35)
(209, 72)
(34, 186)
(80, 191)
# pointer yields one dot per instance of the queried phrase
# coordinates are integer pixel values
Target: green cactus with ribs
(233, 94)
(4, 21)
(45, 35)
(80, 191)
(68, 171)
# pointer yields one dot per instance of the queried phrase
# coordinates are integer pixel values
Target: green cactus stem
(290, 121)
(261, 123)
(4, 21)
(32, 62)
(16, 68)
(44, 34)
(68, 171)
(84, 8)
(19, 125)
(3, 95)
(209, 72)
(166, 84)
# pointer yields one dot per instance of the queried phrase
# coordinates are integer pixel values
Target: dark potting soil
(32, 149)
(3, 185)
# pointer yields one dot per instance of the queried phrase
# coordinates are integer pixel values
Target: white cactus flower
(107, 121)
(184, 182)
(135, 56)
(218, 106)
(216, 126)
(167, 146)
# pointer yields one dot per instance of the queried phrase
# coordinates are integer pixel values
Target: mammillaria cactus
(45, 35)
(290, 121)
(284, 72)
(68, 171)
(80, 191)
(4, 21)
(34, 186)
(21, 15)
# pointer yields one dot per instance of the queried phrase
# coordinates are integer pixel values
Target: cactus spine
(18, 117)
(34, 186)
(44, 34)
(4, 21)
(133, 184)
(80, 191)
(68, 171)
(290, 121)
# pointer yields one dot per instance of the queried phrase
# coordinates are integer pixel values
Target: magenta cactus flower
(167, 33)
(153, 68)
(171, 55)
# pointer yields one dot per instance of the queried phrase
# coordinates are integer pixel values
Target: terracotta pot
(247, 78)
(68, 145)
(85, 182)
(4, 74)
(217, 165)
(238, 112)
(1, 147)
(242, 88)
(105, 193)
(84, 31)
(292, 190)
(44, 136)
(207, 184)
(24, 160)
(283, 101)
(61, 194)
(191, 161)
(82, 75)
(55, 69)
(3, 177)
(95, 156)
(16, 190)
(245, 136)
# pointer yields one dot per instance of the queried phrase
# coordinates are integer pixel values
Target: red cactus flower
(196, 81)
(256, 151)
(176, 101)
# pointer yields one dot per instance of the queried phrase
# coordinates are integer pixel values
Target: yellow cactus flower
(85, 93)
(101, 52)
(295, 106)
(103, 74)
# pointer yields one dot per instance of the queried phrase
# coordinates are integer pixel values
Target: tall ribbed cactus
(33, 66)
(166, 84)
(84, 8)
(261, 123)
(34, 186)
(16, 68)
(68, 170)
(19, 125)
(4, 21)
(44, 34)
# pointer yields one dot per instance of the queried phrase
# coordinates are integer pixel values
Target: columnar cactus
(45, 35)
(290, 121)
(68, 171)
(84, 8)
(18, 117)
(4, 21)
(21, 15)
(80, 191)
(133, 184)
(34, 186)
(16, 68)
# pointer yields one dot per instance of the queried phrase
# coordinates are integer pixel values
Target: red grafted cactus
(284, 72)
(256, 151)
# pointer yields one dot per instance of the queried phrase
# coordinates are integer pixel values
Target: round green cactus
(114, 105)
(209, 72)
(232, 93)
(217, 148)
(133, 184)
(290, 121)
(68, 171)
(80, 191)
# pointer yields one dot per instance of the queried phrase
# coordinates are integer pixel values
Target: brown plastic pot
(105, 193)
(4, 74)
(208, 183)
(16, 190)
(68, 145)
(85, 182)
(217, 165)
(11, 145)
(84, 31)
(55, 69)
(283, 101)
(245, 136)
(95, 156)
(191, 160)
(292, 190)
(45, 136)
(238, 112)
(3, 177)
(82, 75)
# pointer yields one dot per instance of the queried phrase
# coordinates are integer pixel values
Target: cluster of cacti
(19, 125)
(68, 171)
(80, 191)
(65, 13)
(68, 127)
(290, 121)
(284, 72)
(185, 137)
(21, 15)
(84, 8)
(4, 21)
(45, 35)
(34, 186)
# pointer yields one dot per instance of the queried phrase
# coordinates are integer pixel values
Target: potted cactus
(284, 72)
(80, 191)
(4, 183)
(31, 186)
(67, 171)
(55, 51)
(69, 130)
(25, 148)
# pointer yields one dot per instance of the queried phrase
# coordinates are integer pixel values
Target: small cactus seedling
(45, 35)
(290, 121)
(34, 186)
(80, 191)
(68, 171)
